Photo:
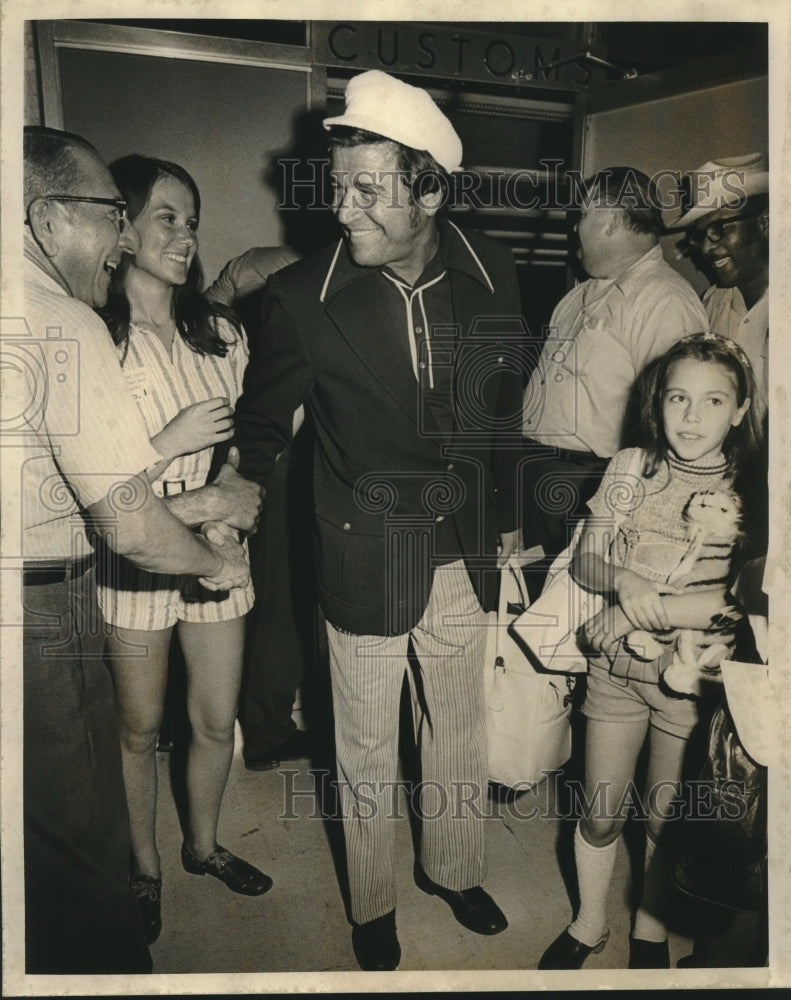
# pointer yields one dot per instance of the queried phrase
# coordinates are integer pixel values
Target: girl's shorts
(637, 698)
(133, 598)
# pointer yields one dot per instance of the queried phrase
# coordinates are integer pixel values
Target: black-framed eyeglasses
(714, 231)
(118, 204)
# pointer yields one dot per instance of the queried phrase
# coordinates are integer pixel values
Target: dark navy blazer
(393, 497)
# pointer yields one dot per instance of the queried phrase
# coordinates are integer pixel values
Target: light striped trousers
(450, 726)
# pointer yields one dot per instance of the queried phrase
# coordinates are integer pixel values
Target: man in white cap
(399, 340)
(727, 222)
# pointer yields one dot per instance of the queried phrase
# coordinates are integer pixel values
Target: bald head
(52, 163)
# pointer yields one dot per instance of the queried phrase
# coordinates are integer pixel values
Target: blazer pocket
(340, 508)
(351, 557)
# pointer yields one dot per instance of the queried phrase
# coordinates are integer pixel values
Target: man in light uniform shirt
(603, 333)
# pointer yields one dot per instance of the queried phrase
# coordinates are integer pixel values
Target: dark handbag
(723, 850)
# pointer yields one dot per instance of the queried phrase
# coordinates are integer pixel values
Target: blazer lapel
(354, 303)
(354, 310)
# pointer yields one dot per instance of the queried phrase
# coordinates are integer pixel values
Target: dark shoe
(648, 954)
(148, 892)
(295, 748)
(238, 875)
(474, 908)
(375, 944)
(566, 952)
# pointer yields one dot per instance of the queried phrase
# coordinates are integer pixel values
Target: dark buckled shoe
(566, 952)
(473, 908)
(237, 874)
(148, 893)
(648, 954)
(375, 944)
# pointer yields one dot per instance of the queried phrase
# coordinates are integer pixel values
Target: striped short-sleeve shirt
(165, 382)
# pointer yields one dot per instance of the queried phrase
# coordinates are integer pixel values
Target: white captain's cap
(379, 103)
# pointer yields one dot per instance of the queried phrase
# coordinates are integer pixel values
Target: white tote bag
(528, 713)
(549, 628)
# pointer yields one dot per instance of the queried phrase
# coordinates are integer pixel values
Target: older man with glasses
(86, 456)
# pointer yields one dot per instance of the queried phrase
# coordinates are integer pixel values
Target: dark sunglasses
(118, 204)
(715, 231)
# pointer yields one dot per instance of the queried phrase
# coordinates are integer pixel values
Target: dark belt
(41, 574)
(572, 457)
(581, 457)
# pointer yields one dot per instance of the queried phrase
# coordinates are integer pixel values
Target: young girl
(696, 414)
(184, 360)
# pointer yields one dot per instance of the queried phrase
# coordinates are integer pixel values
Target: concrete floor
(300, 926)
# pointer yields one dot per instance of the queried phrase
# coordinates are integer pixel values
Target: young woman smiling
(184, 359)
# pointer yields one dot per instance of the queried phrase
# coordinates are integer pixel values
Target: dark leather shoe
(648, 954)
(566, 952)
(473, 908)
(238, 875)
(375, 944)
(148, 892)
(296, 747)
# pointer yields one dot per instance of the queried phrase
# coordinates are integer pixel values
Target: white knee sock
(649, 919)
(594, 871)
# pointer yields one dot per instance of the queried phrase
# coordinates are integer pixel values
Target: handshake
(233, 507)
(234, 566)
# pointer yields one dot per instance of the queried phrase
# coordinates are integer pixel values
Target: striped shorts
(133, 598)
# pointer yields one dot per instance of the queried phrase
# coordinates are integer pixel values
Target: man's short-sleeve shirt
(603, 334)
(84, 437)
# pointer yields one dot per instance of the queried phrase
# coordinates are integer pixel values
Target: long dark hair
(195, 316)
(742, 442)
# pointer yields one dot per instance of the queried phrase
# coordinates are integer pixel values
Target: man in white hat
(726, 219)
(399, 340)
